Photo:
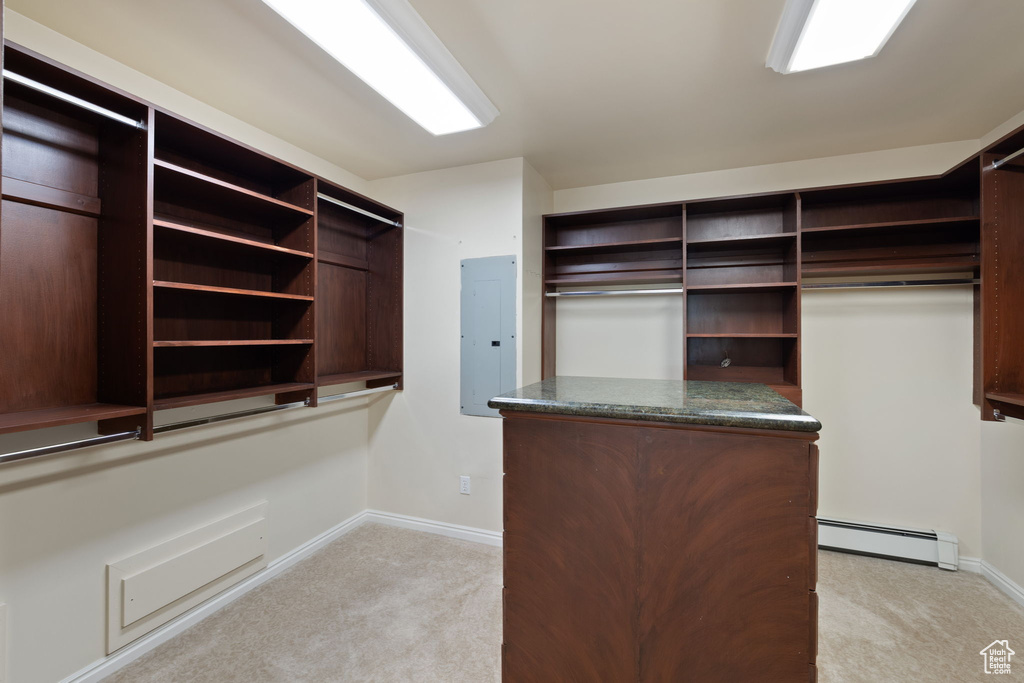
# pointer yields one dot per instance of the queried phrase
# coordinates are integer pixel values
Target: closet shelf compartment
(625, 246)
(64, 415)
(229, 239)
(217, 396)
(162, 284)
(360, 376)
(950, 264)
(182, 182)
(232, 342)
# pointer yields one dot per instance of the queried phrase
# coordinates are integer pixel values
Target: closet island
(658, 530)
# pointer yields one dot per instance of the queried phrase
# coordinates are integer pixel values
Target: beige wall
(419, 443)
(1002, 502)
(62, 519)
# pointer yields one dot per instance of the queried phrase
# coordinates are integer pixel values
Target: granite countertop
(723, 404)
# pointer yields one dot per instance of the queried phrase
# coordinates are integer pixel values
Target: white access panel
(149, 588)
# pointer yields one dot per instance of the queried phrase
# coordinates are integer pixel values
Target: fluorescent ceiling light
(817, 33)
(389, 46)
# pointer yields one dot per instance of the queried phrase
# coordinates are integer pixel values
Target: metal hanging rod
(77, 101)
(894, 283)
(617, 292)
(198, 422)
(70, 446)
(130, 436)
(350, 207)
(355, 394)
(1008, 158)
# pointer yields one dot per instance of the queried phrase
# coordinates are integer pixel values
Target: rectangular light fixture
(817, 33)
(389, 46)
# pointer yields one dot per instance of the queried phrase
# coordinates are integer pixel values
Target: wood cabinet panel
(640, 552)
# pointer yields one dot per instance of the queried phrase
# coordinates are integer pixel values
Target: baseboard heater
(908, 545)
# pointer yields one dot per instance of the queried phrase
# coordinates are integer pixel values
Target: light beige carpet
(390, 605)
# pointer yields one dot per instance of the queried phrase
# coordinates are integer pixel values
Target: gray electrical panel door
(488, 331)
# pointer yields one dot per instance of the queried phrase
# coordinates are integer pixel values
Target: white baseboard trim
(466, 533)
(971, 565)
(108, 665)
(1003, 582)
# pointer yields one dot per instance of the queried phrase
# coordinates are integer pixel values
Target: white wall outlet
(464, 485)
(3, 644)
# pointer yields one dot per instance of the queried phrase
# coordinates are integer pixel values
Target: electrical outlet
(3, 644)
(464, 485)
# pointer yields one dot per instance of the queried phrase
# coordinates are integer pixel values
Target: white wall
(887, 372)
(63, 518)
(419, 443)
(1002, 502)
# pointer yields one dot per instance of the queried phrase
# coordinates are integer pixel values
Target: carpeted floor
(389, 605)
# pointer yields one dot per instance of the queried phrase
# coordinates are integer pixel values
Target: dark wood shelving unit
(744, 260)
(905, 227)
(743, 292)
(148, 263)
(256, 220)
(359, 290)
(73, 304)
(999, 322)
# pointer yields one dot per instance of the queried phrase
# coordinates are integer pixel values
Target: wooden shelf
(950, 264)
(230, 239)
(361, 376)
(627, 278)
(217, 396)
(1004, 397)
(922, 223)
(770, 375)
(55, 417)
(756, 287)
(743, 335)
(342, 261)
(749, 241)
(627, 246)
(232, 342)
(188, 177)
(162, 284)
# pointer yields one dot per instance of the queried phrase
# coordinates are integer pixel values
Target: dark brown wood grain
(656, 552)
(1002, 289)
(571, 534)
(359, 293)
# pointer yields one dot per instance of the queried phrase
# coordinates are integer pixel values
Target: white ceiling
(590, 91)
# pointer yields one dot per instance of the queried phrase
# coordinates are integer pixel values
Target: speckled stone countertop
(723, 404)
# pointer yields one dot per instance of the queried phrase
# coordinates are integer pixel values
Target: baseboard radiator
(909, 545)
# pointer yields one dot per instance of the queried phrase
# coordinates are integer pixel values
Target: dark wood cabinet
(640, 551)
(147, 263)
